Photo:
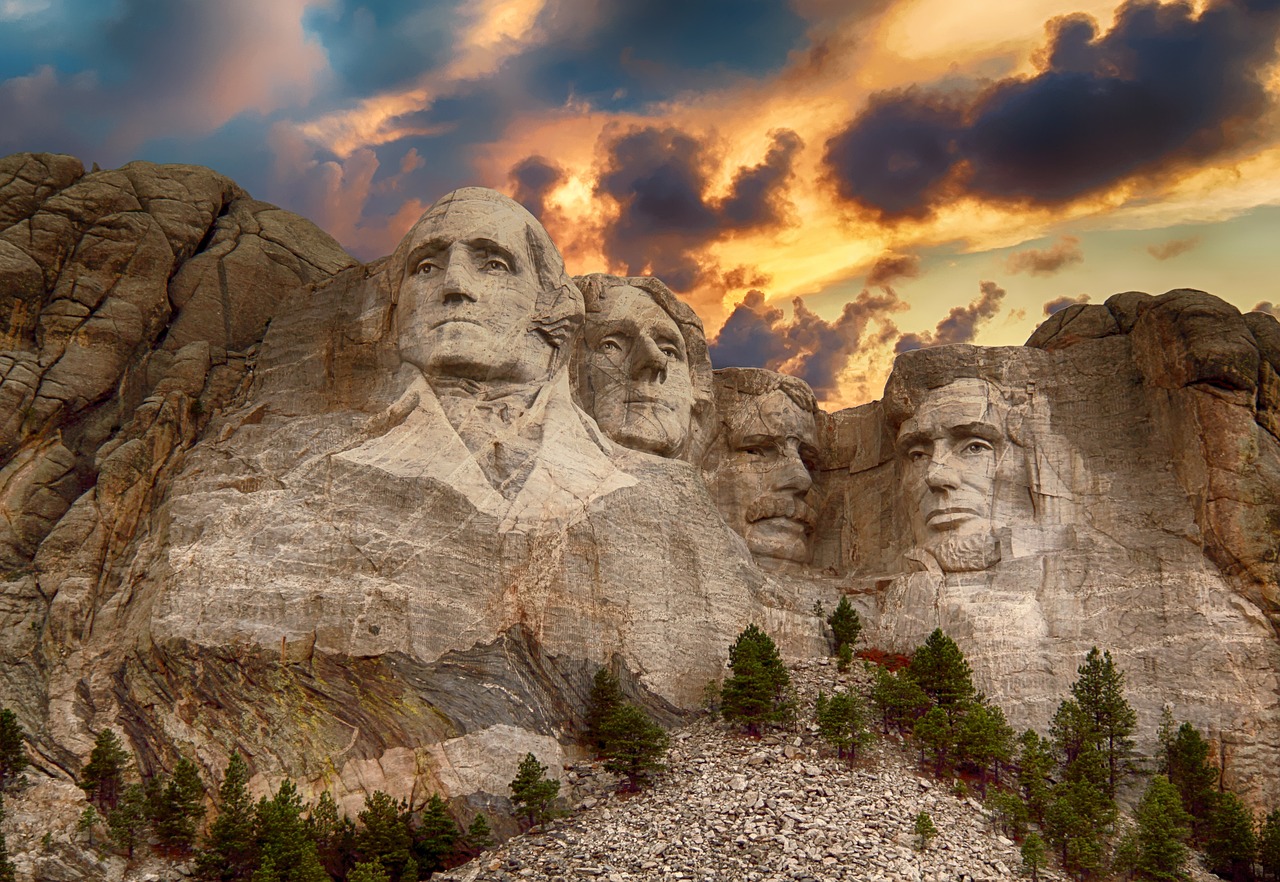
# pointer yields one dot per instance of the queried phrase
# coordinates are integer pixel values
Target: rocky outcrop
(354, 522)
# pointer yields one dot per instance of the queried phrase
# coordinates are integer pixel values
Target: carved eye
(754, 450)
(918, 454)
(495, 264)
(427, 266)
(609, 345)
(670, 351)
(977, 447)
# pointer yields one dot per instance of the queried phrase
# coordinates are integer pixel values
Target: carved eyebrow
(439, 245)
(429, 248)
(985, 431)
(912, 439)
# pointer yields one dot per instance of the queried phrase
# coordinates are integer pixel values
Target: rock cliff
(377, 525)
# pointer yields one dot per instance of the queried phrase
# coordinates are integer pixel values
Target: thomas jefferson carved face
(468, 295)
(760, 475)
(951, 449)
(637, 380)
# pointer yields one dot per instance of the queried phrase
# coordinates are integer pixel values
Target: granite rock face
(376, 526)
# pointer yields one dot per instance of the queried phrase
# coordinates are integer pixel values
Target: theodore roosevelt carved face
(760, 470)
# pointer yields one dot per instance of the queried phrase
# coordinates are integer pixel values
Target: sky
(827, 182)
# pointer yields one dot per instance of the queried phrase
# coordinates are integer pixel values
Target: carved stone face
(951, 450)
(637, 373)
(762, 478)
(469, 291)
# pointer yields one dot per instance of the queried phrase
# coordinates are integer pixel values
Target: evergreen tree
(102, 779)
(333, 835)
(1191, 773)
(844, 658)
(1011, 812)
(13, 752)
(984, 740)
(756, 692)
(1230, 842)
(845, 624)
(1035, 765)
(229, 852)
(1269, 846)
(924, 830)
(606, 695)
(634, 745)
(1165, 734)
(477, 838)
(283, 839)
(942, 672)
(1072, 732)
(531, 791)
(177, 808)
(1099, 692)
(368, 871)
(1033, 855)
(842, 722)
(7, 869)
(411, 872)
(934, 733)
(436, 836)
(898, 698)
(1080, 813)
(383, 833)
(1163, 829)
(127, 821)
(89, 819)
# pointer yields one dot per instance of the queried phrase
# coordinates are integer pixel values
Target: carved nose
(457, 287)
(941, 475)
(647, 360)
(793, 476)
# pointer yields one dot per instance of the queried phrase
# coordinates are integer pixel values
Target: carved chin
(645, 430)
(966, 554)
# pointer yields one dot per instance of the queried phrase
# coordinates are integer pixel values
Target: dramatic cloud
(1172, 248)
(892, 268)
(1046, 261)
(1268, 307)
(961, 324)
(659, 178)
(533, 178)
(808, 346)
(1163, 89)
(1060, 303)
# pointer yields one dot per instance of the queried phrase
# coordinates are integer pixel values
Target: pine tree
(842, 722)
(898, 698)
(282, 837)
(102, 779)
(1191, 773)
(1033, 855)
(1011, 812)
(127, 821)
(924, 830)
(177, 808)
(845, 624)
(89, 818)
(634, 745)
(531, 792)
(1165, 734)
(1269, 846)
(606, 695)
(984, 739)
(13, 752)
(1230, 842)
(229, 851)
(368, 871)
(436, 835)
(1163, 829)
(942, 671)
(1080, 813)
(1035, 765)
(334, 836)
(1099, 692)
(934, 733)
(383, 832)
(411, 872)
(844, 658)
(756, 692)
(478, 837)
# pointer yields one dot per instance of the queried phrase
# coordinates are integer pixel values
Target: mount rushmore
(376, 526)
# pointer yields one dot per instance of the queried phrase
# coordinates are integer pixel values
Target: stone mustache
(424, 499)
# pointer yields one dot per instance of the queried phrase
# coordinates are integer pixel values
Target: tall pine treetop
(942, 671)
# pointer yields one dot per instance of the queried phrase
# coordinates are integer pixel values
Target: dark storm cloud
(1172, 248)
(658, 178)
(961, 324)
(808, 346)
(375, 46)
(533, 178)
(1046, 261)
(1163, 88)
(1060, 303)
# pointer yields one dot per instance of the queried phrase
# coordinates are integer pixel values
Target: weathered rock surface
(258, 497)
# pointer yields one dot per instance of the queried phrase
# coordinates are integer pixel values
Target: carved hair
(733, 383)
(558, 312)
